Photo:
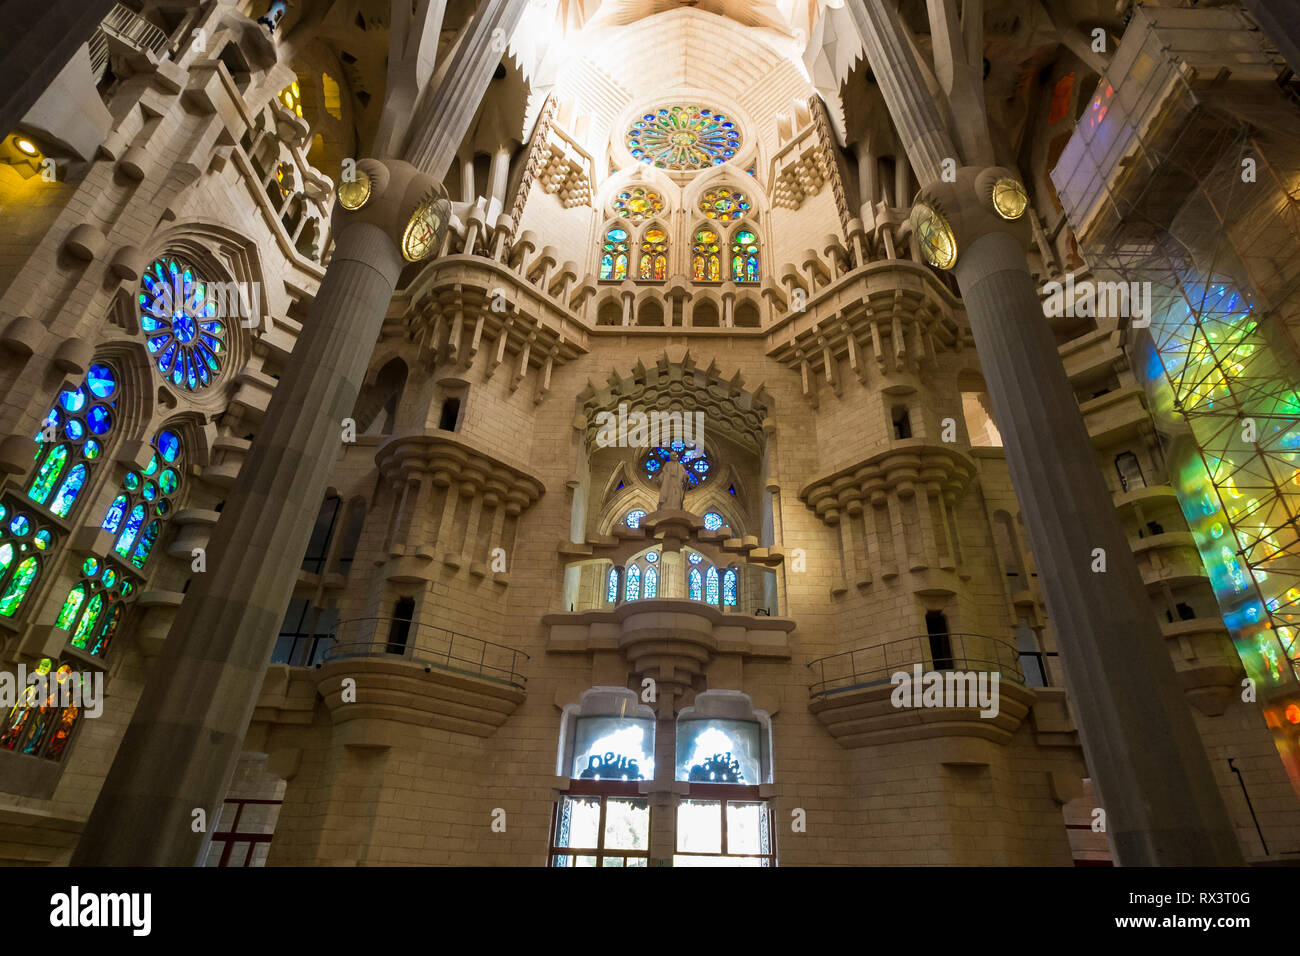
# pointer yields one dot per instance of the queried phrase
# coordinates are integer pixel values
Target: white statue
(672, 493)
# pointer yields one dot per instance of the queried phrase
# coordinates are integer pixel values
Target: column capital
(406, 203)
(978, 201)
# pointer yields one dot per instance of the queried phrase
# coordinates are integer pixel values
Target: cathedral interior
(504, 433)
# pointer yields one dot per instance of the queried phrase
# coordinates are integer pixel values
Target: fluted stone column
(187, 732)
(1162, 801)
(184, 739)
(1163, 805)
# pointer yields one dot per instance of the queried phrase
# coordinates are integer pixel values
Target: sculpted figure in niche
(672, 493)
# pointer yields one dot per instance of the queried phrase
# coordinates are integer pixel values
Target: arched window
(632, 590)
(21, 541)
(611, 586)
(711, 587)
(696, 581)
(613, 258)
(633, 519)
(146, 503)
(744, 256)
(651, 582)
(179, 312)
(654, 254)
(71, 437)
(706, 266)
(42, 728)
(729, 588)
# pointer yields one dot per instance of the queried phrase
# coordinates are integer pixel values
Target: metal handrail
(429, 645)
(871, 666)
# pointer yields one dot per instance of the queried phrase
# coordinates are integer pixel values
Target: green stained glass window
(48, 474)
(21, 582)
(88, 619)
(71, 607)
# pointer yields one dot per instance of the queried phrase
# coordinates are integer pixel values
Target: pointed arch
(653, 258)
(745, 254)
(706, 252)
(613, 254)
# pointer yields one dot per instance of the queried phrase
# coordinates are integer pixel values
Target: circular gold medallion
(1009, 198)
(426, 228)
(355, 193)
(935, 236)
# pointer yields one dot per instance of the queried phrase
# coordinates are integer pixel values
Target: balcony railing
(872, 666)
(432, 646)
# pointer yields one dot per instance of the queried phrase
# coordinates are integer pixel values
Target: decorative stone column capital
(407, 204)
(979, 201)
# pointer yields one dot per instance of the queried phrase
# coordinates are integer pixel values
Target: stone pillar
(1162, 802)
(185, 737)
(498, 175)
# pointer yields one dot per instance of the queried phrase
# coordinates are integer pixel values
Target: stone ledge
(866, 717)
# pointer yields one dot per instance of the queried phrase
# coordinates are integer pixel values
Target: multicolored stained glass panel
(744, 257)
(613, 258)
(654, 254)
(683, 138)
(638, 204)
(724, 204)
(706, 266)
(696, 461)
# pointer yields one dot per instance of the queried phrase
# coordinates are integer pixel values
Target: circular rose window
(683, 138)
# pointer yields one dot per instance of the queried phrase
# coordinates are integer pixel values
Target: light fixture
(934, 235)
(26, 146)
(1009, 198)
(355, 193)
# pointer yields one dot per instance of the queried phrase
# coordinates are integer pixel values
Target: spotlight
(26, 146)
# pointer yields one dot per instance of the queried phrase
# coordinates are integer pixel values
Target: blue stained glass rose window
(695, 460)
(185, 334)
(101, 381)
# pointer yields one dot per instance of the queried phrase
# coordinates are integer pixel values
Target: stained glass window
(695, 460)
(711, 586)
(78, 414)
(705, 264)
(638, 204)
(138, 514)
(651, 582)
(20, 583)
(713, 521)
(611, 587)
(183, 322)
(683, 138)
(633, 519)
(696, 582)
(729, 588)
(632, 590)
(724, 204)
(67, 493)
(21, 540)
(744, 256)
(42, 727)
(93, 608)
(613, 259)
(654, 254)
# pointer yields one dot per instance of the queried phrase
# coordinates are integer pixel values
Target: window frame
(602, 790)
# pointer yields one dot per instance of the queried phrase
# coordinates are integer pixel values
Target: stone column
(186, 734)
(1162, 801)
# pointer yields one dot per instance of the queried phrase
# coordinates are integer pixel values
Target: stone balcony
(1118, 415)
(852, 692)
(1206, 661)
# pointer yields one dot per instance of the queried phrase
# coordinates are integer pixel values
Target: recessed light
(26, 146)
